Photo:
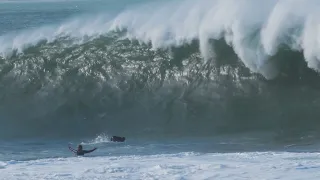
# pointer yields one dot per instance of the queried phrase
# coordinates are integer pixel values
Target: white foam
(264, 165)
(2, 165)
(102, 138)
(255, 29)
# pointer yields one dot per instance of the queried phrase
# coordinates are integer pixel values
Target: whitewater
(206, 89)
(173, 166)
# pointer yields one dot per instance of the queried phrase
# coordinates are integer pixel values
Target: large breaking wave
(181, 67)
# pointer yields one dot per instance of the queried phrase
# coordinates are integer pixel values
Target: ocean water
(206, 89)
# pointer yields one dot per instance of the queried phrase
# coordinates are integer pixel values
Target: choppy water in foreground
(189, 158)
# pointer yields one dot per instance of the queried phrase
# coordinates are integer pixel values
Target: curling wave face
(184, 67)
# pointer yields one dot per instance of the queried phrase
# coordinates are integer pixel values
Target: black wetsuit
(81, 153)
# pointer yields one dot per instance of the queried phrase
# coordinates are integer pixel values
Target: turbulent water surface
(159, 72)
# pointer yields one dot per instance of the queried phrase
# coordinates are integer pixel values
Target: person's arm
(73, 150)
(89, 151)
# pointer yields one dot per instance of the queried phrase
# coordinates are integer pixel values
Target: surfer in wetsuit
(80, 151)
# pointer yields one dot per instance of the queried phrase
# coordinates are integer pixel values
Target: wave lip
(256, 31)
